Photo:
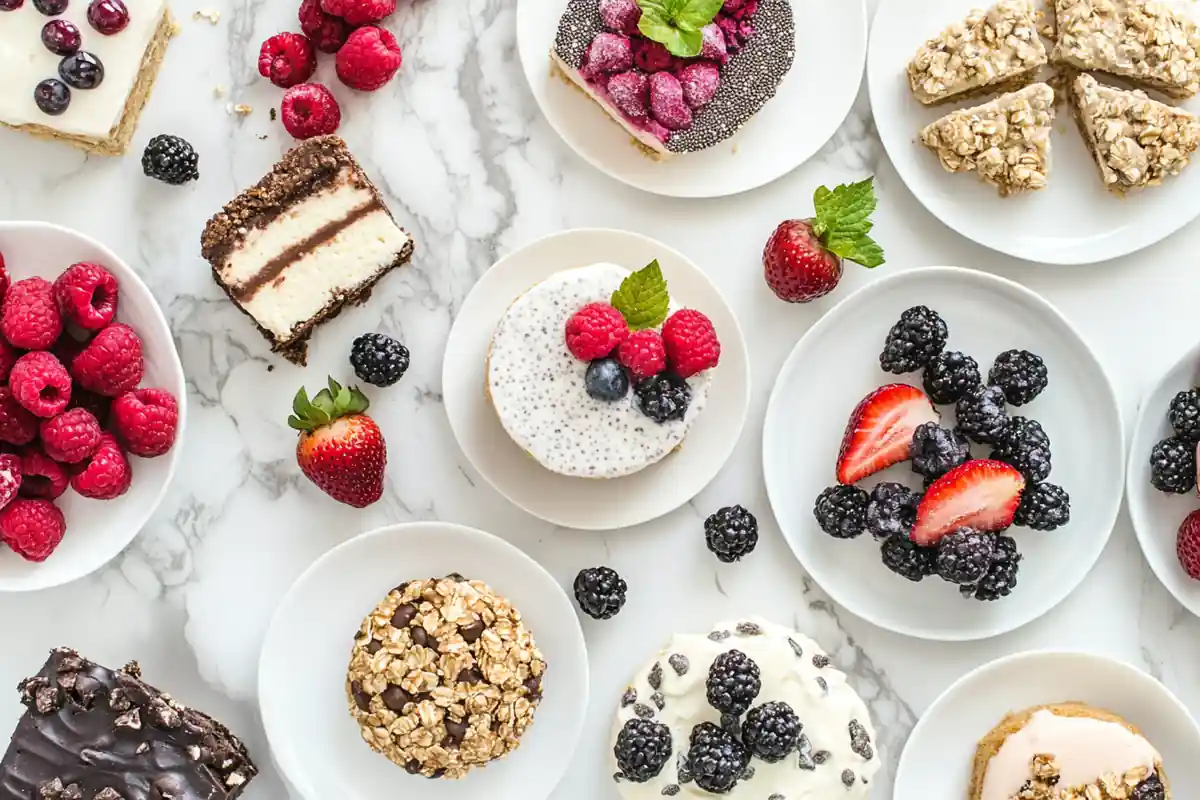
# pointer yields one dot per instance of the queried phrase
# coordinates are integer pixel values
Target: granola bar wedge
(1006, 141)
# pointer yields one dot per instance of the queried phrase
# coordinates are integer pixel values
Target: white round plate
(938, 758)
(302, 670)
(810, 105)
(97, 530)
(579, 502)
(1074, 220)
(1156, 516)
(836, 364)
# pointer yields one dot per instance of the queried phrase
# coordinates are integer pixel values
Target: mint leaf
(684, 44)
(843, 220)
(642, 298)
(676, 24)
(861, 250)
(695, 14)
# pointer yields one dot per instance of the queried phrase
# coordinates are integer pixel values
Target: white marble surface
(473, 171)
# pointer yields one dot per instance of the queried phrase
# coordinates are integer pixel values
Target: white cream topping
(537, 386)
(819, 695)
(25, 62)
(644, 137)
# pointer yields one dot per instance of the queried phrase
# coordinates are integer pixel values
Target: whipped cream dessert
(834, 756)
(308, 239)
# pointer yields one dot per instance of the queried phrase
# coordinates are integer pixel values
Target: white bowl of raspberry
(92, 405)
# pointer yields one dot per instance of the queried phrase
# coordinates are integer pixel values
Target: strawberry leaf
(643, 299)
(843, 222)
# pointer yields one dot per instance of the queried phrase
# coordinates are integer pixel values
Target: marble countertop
(470, 167)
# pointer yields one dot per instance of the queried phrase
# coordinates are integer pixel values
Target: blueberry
(606, 379)
(61, 37)
(51, 8)
(52, 96)
(82, 70)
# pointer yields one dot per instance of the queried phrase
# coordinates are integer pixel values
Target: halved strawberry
(880, 430)
(980, 494)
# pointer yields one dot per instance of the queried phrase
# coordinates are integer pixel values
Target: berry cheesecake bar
(751, 710)
(308, 239)
(80, 72)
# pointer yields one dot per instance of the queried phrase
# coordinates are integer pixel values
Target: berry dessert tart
(310, 238)
(80, 71)
(750, 710)
(1067, 751)
(596, 373)
(92, 733)
(679, 77)
(444, 677)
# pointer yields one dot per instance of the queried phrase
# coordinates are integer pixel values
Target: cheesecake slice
(1006, 142)
(1135, 141)
(310, 238)
(992, 50)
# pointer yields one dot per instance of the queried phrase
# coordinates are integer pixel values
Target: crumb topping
(1043, 783)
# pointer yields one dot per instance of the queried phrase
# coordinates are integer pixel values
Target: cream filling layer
(644, 137)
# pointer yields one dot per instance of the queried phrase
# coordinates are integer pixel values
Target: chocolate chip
(533, 686)
(629, 698)
(374, 646)
(395, 698)
(848, 778)
(437, 773)
(749, 629)
(824, 686)
(820, 661)
(419, 637)
(796, 648)
(473, 631)
(777, 796)
(655, 676)
(645, 712)
(658, 700)
(679, 662)
(457, 577)
(860, 740)
(469, 675)
(413, 767)
(455, 732)
(404, 615)
(821, 756)
(361, 698)
(719, 636)
(670, 790)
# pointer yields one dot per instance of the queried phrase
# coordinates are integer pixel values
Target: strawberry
(1187, 546)
(340, 448)
(979, 494)
(803, 258)
(880, 430)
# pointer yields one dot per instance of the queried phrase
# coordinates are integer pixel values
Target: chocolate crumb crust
(91, 733)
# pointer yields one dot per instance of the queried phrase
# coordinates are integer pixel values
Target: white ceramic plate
(938, 757)
(302, 671)
(97, 530)
(578, 502)
(1156, 516)
(1074, 220)
(836, 364)
(811, 103)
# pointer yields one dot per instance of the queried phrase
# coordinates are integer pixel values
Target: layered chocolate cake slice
(302, 243)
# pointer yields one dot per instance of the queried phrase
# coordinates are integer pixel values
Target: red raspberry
(369, 59)
(595, 330)
(691, 343)
(310, 110)
(30, 318)
(287, 59)
(71, 436)
(111, 363)
(10, 477)
(106, 474)
(32, 528)
(87, 295)
(17, 426)
(8, 357)
(40, 383)
(359, 12)
(145, 421)
(4, 279)
(327, 31)
(41, 475)
(98, 405)
(643, 354)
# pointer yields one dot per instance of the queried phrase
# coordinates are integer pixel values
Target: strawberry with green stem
(340, 448)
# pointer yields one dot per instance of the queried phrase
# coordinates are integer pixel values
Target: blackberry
(913, 341)
(1021, 374)
(937, 450)
(841, 511)
(600, 592)
(1044, 507)
(1150, 789)
(908, 560)
(663, 397)
(731, 533)
(378, 359)
(981, 414)
(1026, 446)
(715, 759)
(949, 375)
(1185, 415)
(965, 556)
(771, 732)
(733, 682)
(170, 160)
(892, 510)
(643, 748)
(1001, 577)
(1173, 466)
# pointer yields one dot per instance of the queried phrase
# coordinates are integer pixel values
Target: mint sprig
(844, 219)
(676, 24)
(642, 298)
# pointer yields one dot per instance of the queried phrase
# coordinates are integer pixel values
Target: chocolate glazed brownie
(94, 734)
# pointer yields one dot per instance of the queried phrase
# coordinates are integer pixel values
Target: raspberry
(650, 56)
(667, 103)
(41, 475)
(700, 82)
(643, 354)
(369, 59)
(287, 59)
(72, 436)
(10, 477)
(359, 12)
(4, 279)
(310, 110)
(8, 357)
(608, 52)
(630, 92)
(621, 16)
(17, 426)
(87, 295)
(713, 46)
(111, 364)
(106, 473)
(32, 528)
(691, 343)
(327, 31)
(40, 383)
(595, 330)
(30, 318)
(145, 421)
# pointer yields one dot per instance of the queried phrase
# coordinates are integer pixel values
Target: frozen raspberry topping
(667, 103)
(700, 82)
(621, 16)
(714, 48)
(630, 92)
(651, 56)
(610, 52)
